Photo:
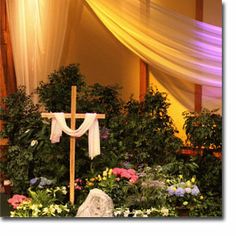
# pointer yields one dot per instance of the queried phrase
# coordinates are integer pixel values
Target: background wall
(101, 57)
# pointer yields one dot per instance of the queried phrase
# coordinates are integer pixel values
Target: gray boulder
(97, 204)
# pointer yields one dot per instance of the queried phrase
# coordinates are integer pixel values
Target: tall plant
(204, 129)
(29, 152)
(143, 132)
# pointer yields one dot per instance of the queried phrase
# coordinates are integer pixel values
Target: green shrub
(204, 129)
(30, 152)
(55, 94)
(143, 132)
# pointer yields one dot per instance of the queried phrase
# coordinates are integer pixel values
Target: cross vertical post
(72, 145)
(73, 116)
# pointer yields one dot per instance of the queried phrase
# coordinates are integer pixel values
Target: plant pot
(7, 184)
(182, 211)
(217, 155)
(7, 189)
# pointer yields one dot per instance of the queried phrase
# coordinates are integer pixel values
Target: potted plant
(204, 131)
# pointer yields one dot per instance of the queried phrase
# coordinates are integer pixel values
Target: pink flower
(78, 187)
(17, 199)
(132, 171)
(133, 179)
(116, 171)
(78, 180)
(125, 174)
(129, 174)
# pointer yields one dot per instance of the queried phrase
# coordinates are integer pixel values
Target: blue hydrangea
(41, 182)
(179, 192)
(33, 181)
(195, 190)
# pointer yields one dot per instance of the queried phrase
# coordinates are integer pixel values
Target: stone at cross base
(97, 204)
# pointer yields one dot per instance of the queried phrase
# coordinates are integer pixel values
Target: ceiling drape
(181, 51)
(173, 43)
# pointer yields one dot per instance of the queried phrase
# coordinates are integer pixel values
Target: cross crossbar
(68, 115)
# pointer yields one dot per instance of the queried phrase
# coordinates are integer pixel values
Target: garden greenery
(136, 137)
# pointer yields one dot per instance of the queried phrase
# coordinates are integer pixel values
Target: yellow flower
(174, 189)
(193, 180)
(201, 197)
(104, 178)
(92, 179)
(99, 178)
(185, 203)
(181, 176)
(90, 184)
(167, 181)
(188, 183)
(110, 172)
(104, 173)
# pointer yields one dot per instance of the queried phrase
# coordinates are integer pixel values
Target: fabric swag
(90, 123)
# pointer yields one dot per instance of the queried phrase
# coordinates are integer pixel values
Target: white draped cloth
(90, 124)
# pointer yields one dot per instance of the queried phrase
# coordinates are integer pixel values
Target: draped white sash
(90, 123)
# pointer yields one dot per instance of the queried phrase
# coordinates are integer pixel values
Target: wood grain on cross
(72, 116)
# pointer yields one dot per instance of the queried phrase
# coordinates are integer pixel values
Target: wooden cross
(73, 116)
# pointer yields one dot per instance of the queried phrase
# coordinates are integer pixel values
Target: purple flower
(195, 190)
(179, 192)
(34, 181)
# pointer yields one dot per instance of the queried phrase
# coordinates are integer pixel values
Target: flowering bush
(115, 182)
(42, 203)
(111, 177)
(183, 193)
(129, 174)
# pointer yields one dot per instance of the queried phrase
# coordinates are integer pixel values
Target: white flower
(126, 212)
(33, 143)
(12, 214)
(58, 209)
(148, 211)
(27, 131)
(164, 211)
(63, 190)
(188, 190)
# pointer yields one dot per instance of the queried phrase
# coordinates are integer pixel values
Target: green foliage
(30, 152)
(187, 168)
(55, 95)
(210, 174)
(204, 129)
(210, 206)
(143, 132)
(19, 115)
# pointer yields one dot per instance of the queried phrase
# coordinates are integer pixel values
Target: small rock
(97, 204)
